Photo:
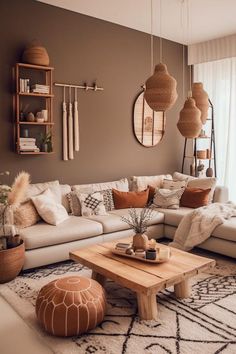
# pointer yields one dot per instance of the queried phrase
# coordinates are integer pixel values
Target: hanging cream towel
(76, 126)
(64, 129)
(70, 128)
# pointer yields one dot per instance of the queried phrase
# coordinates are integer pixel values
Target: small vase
(140, 241)
(44, 148)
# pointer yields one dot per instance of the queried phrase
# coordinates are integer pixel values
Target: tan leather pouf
(70, 306)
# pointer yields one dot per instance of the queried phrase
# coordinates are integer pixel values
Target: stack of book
(122, 247)
(28, 145)
(37, 88)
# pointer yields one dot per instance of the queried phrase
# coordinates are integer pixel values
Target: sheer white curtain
(219, 79)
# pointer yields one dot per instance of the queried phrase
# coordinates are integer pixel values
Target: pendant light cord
(151, 46)
(189, 37)
(160, 23)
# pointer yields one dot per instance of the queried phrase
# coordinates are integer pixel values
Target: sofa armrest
(221, 194)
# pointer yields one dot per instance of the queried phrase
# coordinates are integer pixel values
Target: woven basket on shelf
(160, 92)
(11, 262)
(190, 123)
(201, 154)
(35, 54)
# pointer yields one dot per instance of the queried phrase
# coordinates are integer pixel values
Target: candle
(164, 253)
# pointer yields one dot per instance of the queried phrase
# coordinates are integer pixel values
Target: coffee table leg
(183, 289)
(99, 278)
(147, 306)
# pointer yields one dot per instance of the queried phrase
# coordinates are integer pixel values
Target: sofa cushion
(121, 185)
(227, 230)
(113, 222)
(173, 217)
(74, 228)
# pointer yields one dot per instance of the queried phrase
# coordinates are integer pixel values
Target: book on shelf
(37, 88)
(24, 85)
(24, 140)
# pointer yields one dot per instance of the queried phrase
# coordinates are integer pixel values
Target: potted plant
(46, 141)
(12, 248)
(138, 221)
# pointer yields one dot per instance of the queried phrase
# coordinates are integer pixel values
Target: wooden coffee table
(143, 278)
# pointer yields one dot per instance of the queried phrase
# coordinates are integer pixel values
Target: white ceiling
(208, 19)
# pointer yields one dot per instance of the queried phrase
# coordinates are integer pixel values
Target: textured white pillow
(38, 188)
(49, 209)
(168, 184)
(92, 204)
(140, 183)
(167, 199)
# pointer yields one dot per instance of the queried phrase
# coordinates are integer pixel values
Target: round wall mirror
(149, 126)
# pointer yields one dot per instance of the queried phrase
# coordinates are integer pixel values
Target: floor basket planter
(11, 262)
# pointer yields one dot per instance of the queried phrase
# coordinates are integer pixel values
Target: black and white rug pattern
(205, 323)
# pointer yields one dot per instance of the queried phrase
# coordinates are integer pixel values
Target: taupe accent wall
(82, 48)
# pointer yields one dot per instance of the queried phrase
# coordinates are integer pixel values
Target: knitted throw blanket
(198, 225)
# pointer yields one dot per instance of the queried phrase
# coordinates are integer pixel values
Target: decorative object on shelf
(201, 154)
(35, 54)
(138, 221)
(189, 123)
(46, 142)
(209, 172)
(160, 88)
(11, 246)
(149, 126)
(44, 113)
(201, 99)
(208, 154)
(30, 117)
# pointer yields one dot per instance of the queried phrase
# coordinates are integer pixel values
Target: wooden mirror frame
(148, 125)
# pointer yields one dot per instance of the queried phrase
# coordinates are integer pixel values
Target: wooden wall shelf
(23, 71)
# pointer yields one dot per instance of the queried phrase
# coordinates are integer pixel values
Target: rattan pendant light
(160, 89)
(189, 123)
(201, 99)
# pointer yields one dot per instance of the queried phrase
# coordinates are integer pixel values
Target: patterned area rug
(205, 323)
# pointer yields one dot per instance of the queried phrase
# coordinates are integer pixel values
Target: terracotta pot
(140, 241)
(160, 92)
(11, 262)
(190, 123)
(201, 99)
(36, 54)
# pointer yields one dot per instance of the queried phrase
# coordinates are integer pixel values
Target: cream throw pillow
(38, 188)
(167, 199)
(169, 184)
(49, 209)
(140, 183)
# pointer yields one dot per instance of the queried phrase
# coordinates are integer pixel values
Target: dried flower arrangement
(138, 221)
(10, 198)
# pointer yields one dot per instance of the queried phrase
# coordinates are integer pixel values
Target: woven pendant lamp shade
(201, 99)
(190, 123)
(160, 92)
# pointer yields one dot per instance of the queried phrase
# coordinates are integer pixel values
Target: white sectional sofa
(47, 244)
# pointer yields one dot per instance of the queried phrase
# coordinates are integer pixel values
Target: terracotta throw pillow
(26, 215)
(195, 197)
(124, 200)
